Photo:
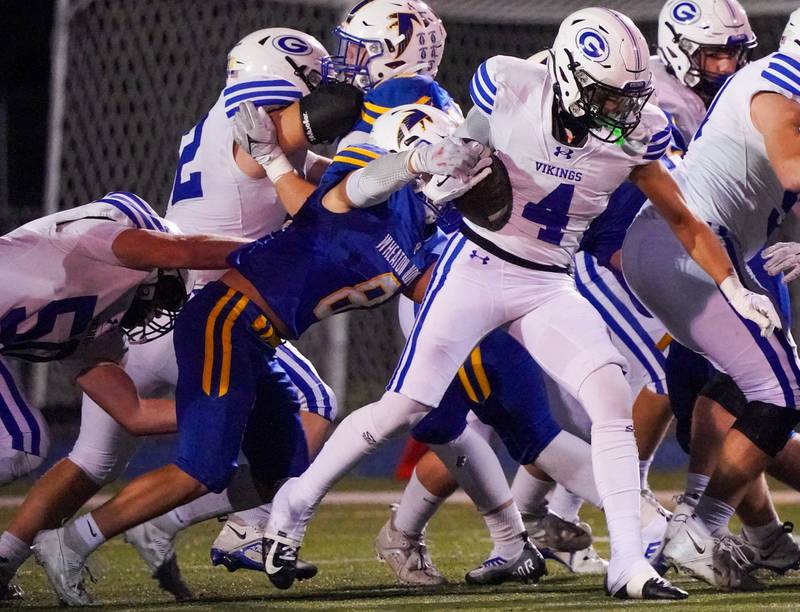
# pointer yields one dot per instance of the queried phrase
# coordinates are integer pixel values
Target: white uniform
(557, 191)
(686, 108)
(728, 182)
(210, 195)
(64, 294)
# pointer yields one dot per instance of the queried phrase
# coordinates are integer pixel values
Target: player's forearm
(379, 179)
(293, 191)
(705, 248)
(145, 249)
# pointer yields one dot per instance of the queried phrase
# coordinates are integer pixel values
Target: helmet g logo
(291, 45)
(686, 12)
(592, 44)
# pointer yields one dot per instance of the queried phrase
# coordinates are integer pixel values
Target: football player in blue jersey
(357, 240)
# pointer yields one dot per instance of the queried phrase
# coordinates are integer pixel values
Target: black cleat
(305, 570)
(10, 591)
(280, 559)
(528, 567)
(653, 588)
(169, 578)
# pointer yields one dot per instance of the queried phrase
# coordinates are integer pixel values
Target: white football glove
(443, 189)
(255, 133)
(783, 257)
(451, 156)
(752, 306)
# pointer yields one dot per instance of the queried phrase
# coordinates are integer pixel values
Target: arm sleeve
(476, 126)
(374, 183)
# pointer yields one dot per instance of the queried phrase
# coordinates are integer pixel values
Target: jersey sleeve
(782, 75)
(400, 90)
(269, 91)
(660, 131)
(483, 86)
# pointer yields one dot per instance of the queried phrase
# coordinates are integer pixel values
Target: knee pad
(721, 389)
(102, 466)
(15, 464)
(767, 426)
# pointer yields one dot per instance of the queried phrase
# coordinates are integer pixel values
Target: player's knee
(15, 464)
(606, 395)
(767, 426)
(439, 427)
(100, 465)
(390, 416)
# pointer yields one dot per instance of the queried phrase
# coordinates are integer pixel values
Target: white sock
(13, 553)
(83, 535)
(644, 471)
(614, 459)
(208, 506)
(760, 534)
(506, 528)
(416, 508)
(565, 504)
(255, 516)
(530, 493)
(695, 487)
(568, 460)
(715, 514)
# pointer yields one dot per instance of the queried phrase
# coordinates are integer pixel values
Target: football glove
(750, 305)
(451, 156)
(783, 257)
(255, 133)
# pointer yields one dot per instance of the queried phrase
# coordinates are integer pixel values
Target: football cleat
(239, 546)
(647, 586)
(779, 554)
(527, 567)
(585, 561)
(157, 549)
(551, 531)
(280, 559)
(724, 562)
(407, 556)
(10, 591)
(64, 567)
(654, 520)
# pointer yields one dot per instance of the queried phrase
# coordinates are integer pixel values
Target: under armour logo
(369, 439)
(568, 153)
(461, 461)
(474, 255)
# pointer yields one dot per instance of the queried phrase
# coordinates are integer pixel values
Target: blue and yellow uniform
(321, 264)
(503, 386)
(400, 90)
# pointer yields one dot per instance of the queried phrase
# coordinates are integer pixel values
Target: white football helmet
(290, 54)
(408, 126)
(380, 39)
(601, 66)
(790, 39)
(688, 28)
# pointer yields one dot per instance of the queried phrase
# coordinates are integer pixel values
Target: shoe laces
(737, 549)
(288, 554)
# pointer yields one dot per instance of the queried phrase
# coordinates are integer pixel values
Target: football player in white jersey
(740, 176)
(556, 131)
(74, 282)
(217, 188)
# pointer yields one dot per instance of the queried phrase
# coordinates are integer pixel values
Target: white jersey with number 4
(558, 189)
(726, 177)
(61, 280)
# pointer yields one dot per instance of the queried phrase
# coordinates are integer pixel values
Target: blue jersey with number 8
(324, 263)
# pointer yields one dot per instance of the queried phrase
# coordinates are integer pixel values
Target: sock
(208, 506)
(759, 535)
(530, 493)
(506, 528)
(568, 460)
(416, 508)
(565, 504)
(13, 553)
(615, 459)
(695, 487)
(255, 516)
(644, 470)
(83, 535)
(715, 514)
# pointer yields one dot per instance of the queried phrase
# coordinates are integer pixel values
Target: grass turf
(340, 542)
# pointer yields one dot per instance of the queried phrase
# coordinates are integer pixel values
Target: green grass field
(340, 542)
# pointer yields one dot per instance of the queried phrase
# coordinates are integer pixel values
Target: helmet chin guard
(155, 307)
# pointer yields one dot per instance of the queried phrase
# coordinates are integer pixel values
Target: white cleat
(724, 562)
(238, 545)
(780, 553)
(63, 566)
(654, 519)
(157, 549)
(407, 556)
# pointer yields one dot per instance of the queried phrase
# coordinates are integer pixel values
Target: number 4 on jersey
(552, 212)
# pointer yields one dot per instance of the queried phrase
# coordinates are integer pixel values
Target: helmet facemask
(308, 75)
(155, 307)
(351, 62)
